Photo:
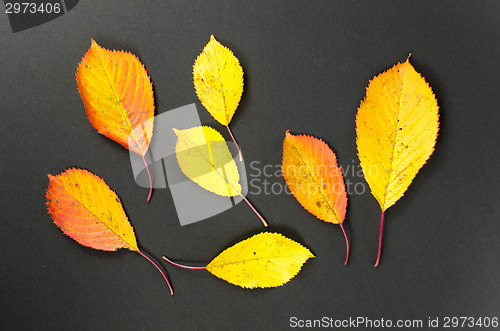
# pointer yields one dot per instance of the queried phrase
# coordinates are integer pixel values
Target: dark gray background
(306, 65)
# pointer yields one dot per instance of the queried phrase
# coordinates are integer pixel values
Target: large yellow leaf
(264, 260)
(118, 98)
(397, 126)
(204, 157)
(84, 207)
(314, 178)
(218, 81)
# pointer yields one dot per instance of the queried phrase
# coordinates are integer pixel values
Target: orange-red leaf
(118, 96)
(84, 207)
(311, 172)
(87, 210)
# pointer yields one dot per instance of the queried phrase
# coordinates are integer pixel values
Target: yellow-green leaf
(218, 80)
(204, 157)
(264, 260)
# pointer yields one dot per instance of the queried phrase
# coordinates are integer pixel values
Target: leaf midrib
(261, 258)
(391, 169)
(220, 80)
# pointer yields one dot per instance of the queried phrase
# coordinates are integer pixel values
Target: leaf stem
(380, 239)
(181, 265)
(161, 271)
(234, 140)
(346, 243)
(150, 180)
(254, 210)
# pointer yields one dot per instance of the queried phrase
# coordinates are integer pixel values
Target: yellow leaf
(204, 157)
(218, 80)
(397, 126)
(264, 260)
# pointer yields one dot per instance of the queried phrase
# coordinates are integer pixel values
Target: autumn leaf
(315, 180)
(264, 260)
(118, 98)
(397, 126)
(218, 81)
(84, 207)
(204, 157)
